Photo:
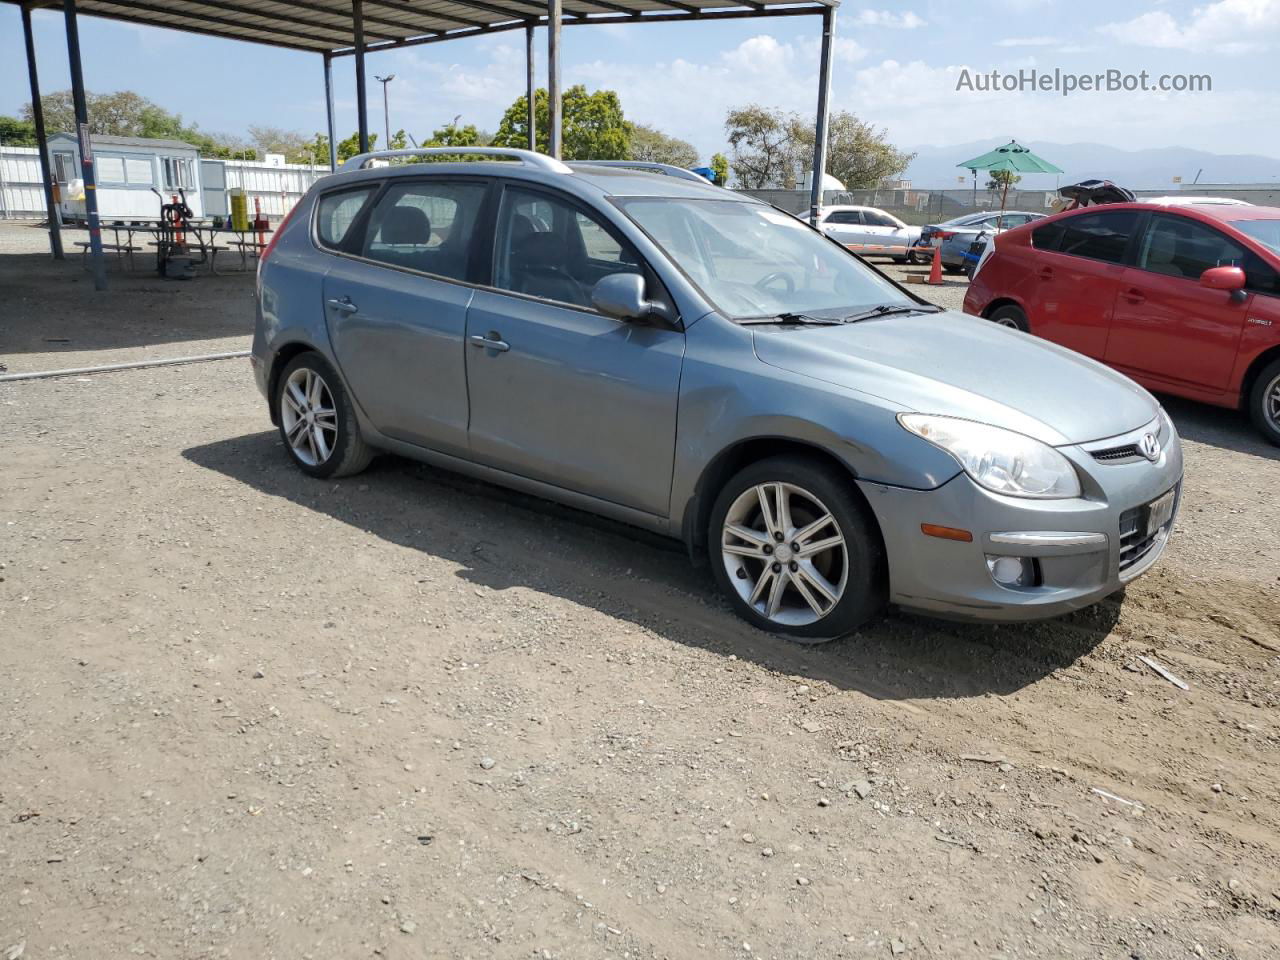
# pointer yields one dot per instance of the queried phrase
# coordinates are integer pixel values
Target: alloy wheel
(784, 553)
(1271, 403)
(308, 416)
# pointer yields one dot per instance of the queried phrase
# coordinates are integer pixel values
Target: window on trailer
(177, 173)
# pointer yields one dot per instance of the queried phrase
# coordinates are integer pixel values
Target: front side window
(546, 247)
(1179, 247)
(750, 260)
(425, 226)
(336, 212)
(845, 217)
(873, 219)
(1097, 236)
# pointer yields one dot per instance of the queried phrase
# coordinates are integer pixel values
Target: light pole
(386, 118)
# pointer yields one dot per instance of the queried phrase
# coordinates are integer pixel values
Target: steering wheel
(763, 283)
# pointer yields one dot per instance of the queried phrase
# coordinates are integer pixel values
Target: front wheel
(317, 421)
(796, 551)
(1012, 317)
(1264, 402)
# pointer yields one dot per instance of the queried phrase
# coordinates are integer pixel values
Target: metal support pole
(362, 108)
(328, 111)
(530, 87)
(37, 116)
(820, 125)
(554, 133)
(86, 147)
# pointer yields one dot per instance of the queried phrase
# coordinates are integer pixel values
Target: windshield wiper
(793, 318)
(886, 309)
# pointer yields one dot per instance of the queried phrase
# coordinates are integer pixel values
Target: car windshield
(1266, 232)
(751, 261)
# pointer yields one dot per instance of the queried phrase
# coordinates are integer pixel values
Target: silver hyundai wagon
(646, 346)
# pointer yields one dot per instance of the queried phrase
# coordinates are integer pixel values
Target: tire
(332, 445)
(950, 268)
(912, 258)
(1264, 402)
(1011, 316)
(759, 570)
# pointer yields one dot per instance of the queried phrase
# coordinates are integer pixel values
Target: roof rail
(527, 157)
(664, 168)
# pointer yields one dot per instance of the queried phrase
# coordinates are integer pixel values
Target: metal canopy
(327, 26)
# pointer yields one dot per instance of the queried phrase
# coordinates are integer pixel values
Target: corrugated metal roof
(325, 26)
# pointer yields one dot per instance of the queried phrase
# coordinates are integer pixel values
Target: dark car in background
(956, 235)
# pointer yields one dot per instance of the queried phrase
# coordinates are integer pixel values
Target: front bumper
(1084, 549)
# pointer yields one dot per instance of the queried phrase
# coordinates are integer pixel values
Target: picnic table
(200, 233)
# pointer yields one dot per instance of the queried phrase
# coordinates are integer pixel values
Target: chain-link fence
(915, 206)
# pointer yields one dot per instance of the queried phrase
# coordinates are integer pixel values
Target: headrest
(406, 225)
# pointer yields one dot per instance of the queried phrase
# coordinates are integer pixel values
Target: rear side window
(1098, 236)
(1048, 237)
(336, 212)
(425, 226)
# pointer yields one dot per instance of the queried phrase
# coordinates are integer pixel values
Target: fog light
(1012, 571)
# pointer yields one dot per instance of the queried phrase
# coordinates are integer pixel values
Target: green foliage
(399, 140)
(15, 132)
(720, 164)
(1002, 179)
(593, 124)
(774, 148)
(348, 148)
(647, 143)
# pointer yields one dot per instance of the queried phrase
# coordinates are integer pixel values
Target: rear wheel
(796, 551)
(950, 268)
(1011, 316)
(317, 421)
(1264, 402)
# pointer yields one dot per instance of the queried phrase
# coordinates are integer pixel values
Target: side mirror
(1231, 279)
(621, 295)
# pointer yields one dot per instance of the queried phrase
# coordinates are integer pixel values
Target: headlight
(998, 459)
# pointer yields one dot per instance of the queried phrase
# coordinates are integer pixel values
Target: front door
(1165, 323)
(1077, 273)
(396, 303)
(559, 392)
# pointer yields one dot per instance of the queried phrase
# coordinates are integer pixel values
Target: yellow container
(239, 209)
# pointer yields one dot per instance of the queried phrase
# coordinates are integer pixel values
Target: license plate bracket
(1159, 512)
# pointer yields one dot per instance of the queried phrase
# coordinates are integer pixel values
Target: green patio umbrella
(1012, 156)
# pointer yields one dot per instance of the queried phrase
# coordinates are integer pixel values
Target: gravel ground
(246, 713)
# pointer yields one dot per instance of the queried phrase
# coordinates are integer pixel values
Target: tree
(293, 145)
(15, 132)
(318, 147)
(649, 144)
(762, 142)
(399, 140)
(452, 135)
(593, 124)
(773, 148)
(1001, 180)
(720, 167)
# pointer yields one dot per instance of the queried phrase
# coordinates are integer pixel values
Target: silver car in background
(956, 236)
(694, 362)
(870, 231)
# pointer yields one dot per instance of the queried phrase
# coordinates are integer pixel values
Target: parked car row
(692, 361)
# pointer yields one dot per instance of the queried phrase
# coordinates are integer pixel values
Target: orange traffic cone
(935, 271)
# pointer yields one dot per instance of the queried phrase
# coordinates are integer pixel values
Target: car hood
(957, 365)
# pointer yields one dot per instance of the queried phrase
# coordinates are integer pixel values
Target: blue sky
(896, 66)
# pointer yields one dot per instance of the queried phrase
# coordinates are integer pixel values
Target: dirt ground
(244, 713)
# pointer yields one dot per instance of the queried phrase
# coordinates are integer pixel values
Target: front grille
(1115, 454)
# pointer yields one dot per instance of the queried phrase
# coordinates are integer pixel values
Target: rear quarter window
(1048, 237)
(336, 212)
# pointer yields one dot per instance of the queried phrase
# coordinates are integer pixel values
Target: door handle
(344, 305)
(491, 342)
(1133, 295)
(1046, 273)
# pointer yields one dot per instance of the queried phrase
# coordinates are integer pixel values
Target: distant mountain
(1151, 169)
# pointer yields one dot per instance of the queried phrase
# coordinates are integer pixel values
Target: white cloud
(1028, 42)
(886, 18)
(1227, 26)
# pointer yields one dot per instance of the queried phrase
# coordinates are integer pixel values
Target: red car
(1183, 299)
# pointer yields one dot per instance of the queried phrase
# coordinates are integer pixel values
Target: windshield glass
(750, 260)
(1266, 232)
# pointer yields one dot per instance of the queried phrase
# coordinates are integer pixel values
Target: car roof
(582, 179)
(1224, 212)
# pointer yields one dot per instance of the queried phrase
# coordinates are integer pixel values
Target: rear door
(560, 392)
(1166, 325)
(845, 226)
(1077, 272)
(396, 297)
